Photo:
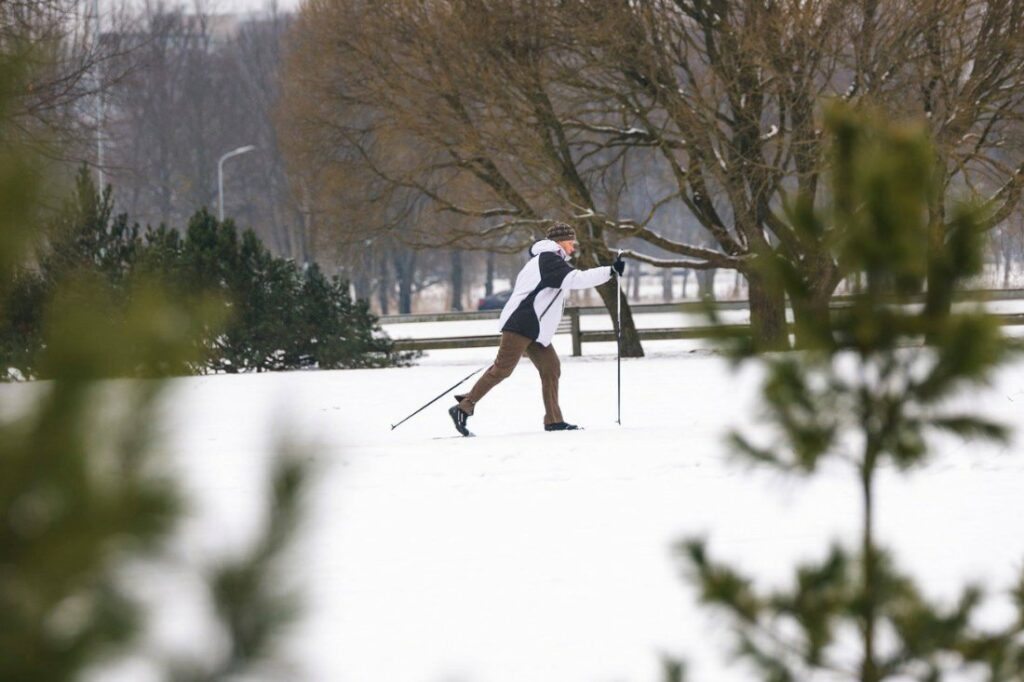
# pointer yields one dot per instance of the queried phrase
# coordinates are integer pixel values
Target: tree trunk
(405, 295)
(384, 286)
(634, 283)
(666, 284)
(706, 284)
(870, 588)
(305, 228)
(1007, 250)
(360, 276)
(939, 293)
(456, 279)
(767, 314)
(686, 280)
(361, 287)
(405, 272)
(489, 277)
(812, 320)
(811, 313)
(631, 346)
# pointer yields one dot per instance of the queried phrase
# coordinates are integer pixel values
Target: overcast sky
(215, 6)
(252, 5)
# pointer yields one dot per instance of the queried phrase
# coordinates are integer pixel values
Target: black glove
(619, 266)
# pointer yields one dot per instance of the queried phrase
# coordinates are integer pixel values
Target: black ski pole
(446, 392)
(618, 349)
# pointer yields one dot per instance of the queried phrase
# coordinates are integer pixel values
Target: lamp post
(97, 28)
(220, 177)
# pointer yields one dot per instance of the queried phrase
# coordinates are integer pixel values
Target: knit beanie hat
(560, 232)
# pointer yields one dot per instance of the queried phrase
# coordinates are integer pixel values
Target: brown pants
(509, 352)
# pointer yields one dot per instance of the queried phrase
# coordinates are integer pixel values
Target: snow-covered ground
(525, 556)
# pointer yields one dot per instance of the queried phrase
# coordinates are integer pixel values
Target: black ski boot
(459, 418)
(561, 426)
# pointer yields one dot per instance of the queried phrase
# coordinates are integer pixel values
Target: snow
(524, 555)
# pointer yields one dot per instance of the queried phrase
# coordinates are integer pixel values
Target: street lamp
(220, 177)
(98, 78)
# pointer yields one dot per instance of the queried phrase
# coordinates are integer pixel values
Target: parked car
(494, 301)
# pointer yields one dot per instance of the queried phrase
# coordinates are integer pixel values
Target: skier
(529, 320)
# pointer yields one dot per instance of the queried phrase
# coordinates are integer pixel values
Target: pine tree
(21, 320)
(339, 332)
(72, 502)
(86, 235)
(866, 379)
(83, 490)
(273, 315)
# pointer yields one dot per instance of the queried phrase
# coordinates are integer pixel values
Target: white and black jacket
(535, 307)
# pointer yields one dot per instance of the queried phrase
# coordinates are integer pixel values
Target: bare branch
(669, 263)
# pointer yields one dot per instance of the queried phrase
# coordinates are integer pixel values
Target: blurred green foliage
(18, 186)
(84, 491)
(268, 313)
(80, 490)
(250, 594)
(868, 392)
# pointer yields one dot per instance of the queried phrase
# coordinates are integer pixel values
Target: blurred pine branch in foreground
(84, 490)
(867, 394)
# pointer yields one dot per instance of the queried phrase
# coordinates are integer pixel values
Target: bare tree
(199, 85)
(410, 92)
(270, 201)
(729, 93)
(967, 80)
(67, 63)
(512, 112)
(162, 116)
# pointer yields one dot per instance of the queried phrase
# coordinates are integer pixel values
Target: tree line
(187, 85)
(266, 312)
(681, 129)
(402, 143)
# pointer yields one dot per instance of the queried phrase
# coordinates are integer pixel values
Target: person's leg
(509, 351)
(546, 360)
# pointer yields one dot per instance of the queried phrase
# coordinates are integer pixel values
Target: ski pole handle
(618, 262)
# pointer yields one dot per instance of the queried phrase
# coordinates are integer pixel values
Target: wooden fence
(570, 324)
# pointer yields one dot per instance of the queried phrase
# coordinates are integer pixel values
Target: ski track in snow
(521, 555)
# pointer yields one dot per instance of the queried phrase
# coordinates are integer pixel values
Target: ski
(470, 434)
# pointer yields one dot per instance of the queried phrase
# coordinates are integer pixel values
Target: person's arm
(584, 279)
(558, 274)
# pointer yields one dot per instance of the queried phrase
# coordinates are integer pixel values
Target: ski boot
(561, 426)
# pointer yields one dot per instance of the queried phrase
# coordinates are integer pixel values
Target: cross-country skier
(529, 320)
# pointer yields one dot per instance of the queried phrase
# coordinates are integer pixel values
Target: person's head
(564, 235)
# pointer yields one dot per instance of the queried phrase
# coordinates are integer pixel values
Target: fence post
(574, 328)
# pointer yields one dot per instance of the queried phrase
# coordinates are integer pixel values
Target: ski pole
(618, 350)
(446, 392)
